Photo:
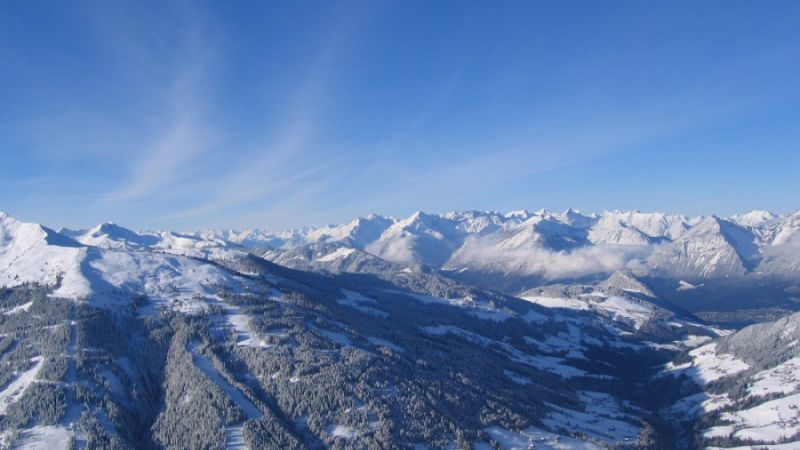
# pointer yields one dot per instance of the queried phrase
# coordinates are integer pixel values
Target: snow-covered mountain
(637, 228)
(519, 250)
(111, 236)
(713, 248)
(734, 246)
(159, 345)
(382, 333)
(31, 253)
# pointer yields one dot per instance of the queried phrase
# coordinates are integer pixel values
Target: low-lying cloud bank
(549, 264)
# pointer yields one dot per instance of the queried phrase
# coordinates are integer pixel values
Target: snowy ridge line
(471, 245)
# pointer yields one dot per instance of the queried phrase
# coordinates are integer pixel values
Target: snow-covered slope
(780, 255)
(637, 228)
(112, 236)
(750, 386)
(754, 219)
(111, 261)
(713, 248)
(422, 239)
(625, 281)
(31, 253)
(331, 257)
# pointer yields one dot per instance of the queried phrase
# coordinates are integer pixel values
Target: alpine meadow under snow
(622, 330)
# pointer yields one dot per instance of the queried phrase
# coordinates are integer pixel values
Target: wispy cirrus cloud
(288, 161)
(165, 161)
(180, 132)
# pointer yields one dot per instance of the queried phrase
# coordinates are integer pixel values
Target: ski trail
(74, 408)
(234, 438)
(19, 385)
(207, 367)
(57, 437)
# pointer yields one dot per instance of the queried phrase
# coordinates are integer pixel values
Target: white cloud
(549, 264)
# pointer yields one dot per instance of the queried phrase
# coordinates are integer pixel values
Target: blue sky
(279, 114)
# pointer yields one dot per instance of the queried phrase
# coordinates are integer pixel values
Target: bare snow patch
(686, 286)
(342, 431)
(547, 363)
(618, 308)
(785, 446)
(181, 283)
(537, 438)
(339, 253)
(696, 405)
(44, 437)
(241, 326)
(602, 419)
(692, 341)
(359, 302)
(384, 343)
(557, 302)
(783, 378)
(481, 309)
(338, 338)
(767, 422)
(707, 365)
(18, 309)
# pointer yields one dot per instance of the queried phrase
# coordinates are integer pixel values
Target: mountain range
(472, 329)
(697, 262)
